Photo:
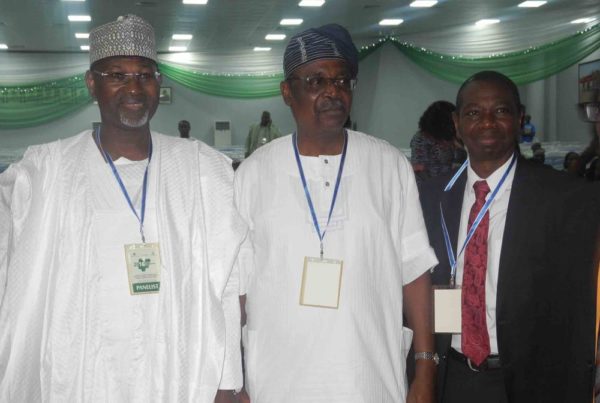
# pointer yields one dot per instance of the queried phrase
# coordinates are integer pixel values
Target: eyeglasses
(118, 78)
(591, 111)
(319, 83)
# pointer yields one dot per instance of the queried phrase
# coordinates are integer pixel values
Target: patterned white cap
(129, 35)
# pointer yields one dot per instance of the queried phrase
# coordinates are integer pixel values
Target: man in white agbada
(117, 250)
(324, 318)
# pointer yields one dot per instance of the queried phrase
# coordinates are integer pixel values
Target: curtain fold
(230, 86)
(522, 67)
(36, 103)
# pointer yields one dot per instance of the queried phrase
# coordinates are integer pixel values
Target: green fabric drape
(39, 103)
(230, 86)
(522, 67)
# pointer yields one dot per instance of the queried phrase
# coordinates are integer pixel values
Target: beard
(134, 121)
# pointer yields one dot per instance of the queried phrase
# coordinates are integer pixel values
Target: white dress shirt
(497, 213)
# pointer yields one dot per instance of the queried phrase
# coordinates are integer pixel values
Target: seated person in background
(261, 133)
(571, 162)
(184, 129)
(432, 147)
(539, 154)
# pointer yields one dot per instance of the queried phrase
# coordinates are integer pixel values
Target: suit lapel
(519, 205)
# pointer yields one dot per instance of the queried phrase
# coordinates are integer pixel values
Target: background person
(184, 129)
(528, 130)
(433, 146)
(261, 133)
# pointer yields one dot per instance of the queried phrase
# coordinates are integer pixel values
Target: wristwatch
(427, 355)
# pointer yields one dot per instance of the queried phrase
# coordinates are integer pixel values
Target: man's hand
(417, 304)
(422, 389)
(243, 397)
(225, 396)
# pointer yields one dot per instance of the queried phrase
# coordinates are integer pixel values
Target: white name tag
(143, 268)
(447, 310)
(321, 282)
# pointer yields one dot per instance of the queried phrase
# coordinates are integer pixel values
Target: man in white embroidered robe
(350, 348)
(71, 325)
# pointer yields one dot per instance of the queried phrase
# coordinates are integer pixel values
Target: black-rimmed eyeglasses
(320, 83)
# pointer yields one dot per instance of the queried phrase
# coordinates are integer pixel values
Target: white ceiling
(236, 26)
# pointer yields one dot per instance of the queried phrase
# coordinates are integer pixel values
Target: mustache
(329, 104)
(133, 100)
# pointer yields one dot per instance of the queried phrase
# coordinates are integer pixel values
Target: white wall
(392, 93)
(552, 104)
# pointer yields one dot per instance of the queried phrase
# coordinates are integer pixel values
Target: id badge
(143, 268)
(447, 310)
(321, 282)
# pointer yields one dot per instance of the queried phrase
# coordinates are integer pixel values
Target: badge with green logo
(143, 268)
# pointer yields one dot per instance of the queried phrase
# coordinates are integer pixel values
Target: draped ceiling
(36, 88)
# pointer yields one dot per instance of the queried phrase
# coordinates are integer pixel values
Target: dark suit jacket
(546, 285)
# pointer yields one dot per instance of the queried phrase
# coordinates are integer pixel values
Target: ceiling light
(311, 3)
(77, 18)
(74, 0)
(182, 37)
(3, 46)
(583, 20)
(261, 49)
(195, 1)
(82, 35)
(177, 48)
(84, 47)
(423, 3)
(487, 21)
(394, 22)
(531, 4)
(291, 21)
(275, 37)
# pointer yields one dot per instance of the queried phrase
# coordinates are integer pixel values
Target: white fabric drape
(512, 34)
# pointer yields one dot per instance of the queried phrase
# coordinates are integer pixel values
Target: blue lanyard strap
(108, 159)
(307, 192)
(451, 258)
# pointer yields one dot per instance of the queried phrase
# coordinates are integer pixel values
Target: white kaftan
(352, 354)
(69, 329)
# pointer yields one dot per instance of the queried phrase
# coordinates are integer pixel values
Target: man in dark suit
(525, 279)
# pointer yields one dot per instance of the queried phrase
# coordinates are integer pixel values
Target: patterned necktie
(475, 340)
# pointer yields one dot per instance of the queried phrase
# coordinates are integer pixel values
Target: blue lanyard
(307, 192)
(482, 212)
(118, 177)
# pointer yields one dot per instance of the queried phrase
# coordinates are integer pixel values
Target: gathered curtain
(35, 104)
(522, 67)
(32, 104)
(231, 86)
